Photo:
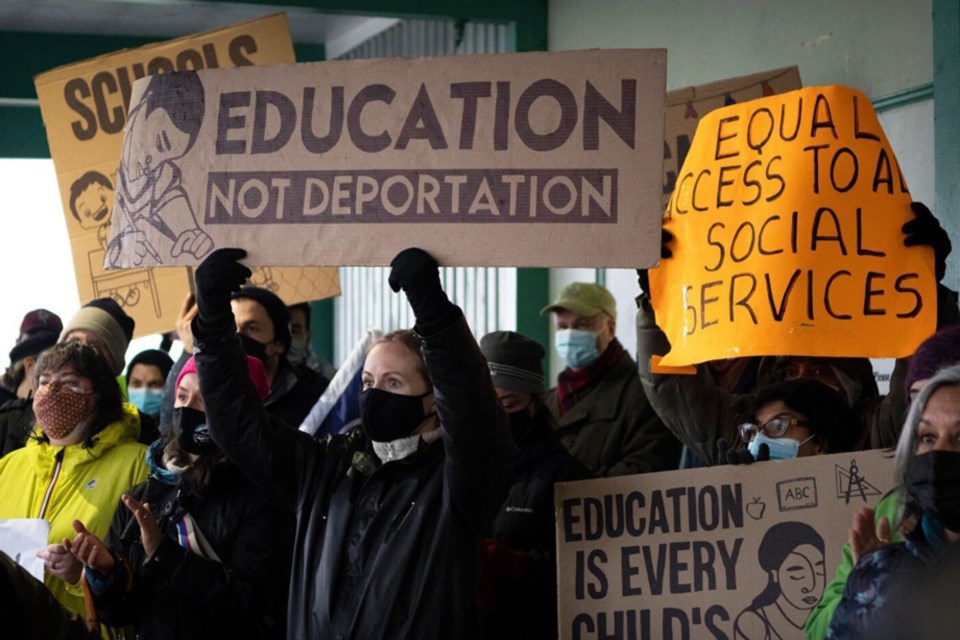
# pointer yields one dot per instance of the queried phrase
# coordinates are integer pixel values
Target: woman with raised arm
(389, 516)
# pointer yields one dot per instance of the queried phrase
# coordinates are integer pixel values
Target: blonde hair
(406, 338)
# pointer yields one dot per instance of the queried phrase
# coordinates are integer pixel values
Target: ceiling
(165, 19)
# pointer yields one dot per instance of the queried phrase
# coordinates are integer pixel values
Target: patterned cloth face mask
(60, 409)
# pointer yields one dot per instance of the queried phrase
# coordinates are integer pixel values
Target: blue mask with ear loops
(577, 347)
(780, 448)
(146, 400)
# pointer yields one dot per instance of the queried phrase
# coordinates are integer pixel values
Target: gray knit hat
(107, 328)
(515, 361)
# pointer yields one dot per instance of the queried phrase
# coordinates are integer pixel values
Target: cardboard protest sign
(534, 159)
(685, 108)
(21, 538)
(722, 552)
(84, 108)
(787, 223)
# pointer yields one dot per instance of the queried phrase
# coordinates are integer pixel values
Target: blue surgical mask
(780, 448)
(146, 400)
(577, 347)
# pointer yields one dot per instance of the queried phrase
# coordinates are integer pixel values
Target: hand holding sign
(925, 229)
(418, 274)
(217, 277)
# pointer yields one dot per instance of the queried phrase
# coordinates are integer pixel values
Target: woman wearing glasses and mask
(81, 457)
(791, 420)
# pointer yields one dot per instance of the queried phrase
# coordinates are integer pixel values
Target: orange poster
(787, 220)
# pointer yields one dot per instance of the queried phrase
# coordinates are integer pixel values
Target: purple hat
(940, 350)
(39, 320)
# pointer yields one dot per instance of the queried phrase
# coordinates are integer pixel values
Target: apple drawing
(756, 508)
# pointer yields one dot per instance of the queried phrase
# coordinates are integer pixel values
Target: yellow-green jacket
(86, 485)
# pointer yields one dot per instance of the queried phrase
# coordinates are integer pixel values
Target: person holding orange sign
(791, 237)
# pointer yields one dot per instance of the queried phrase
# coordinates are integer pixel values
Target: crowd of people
(183, 501)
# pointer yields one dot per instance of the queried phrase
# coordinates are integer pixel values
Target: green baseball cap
(584, 299)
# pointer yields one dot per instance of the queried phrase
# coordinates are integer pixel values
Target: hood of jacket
(860, 386)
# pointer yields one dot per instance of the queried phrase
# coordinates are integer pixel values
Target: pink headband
(258, 374)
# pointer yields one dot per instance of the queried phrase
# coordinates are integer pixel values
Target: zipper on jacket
(53, 482)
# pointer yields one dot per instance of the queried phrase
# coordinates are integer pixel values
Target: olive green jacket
(613, 430)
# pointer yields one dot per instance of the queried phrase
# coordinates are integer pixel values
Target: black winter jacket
(292, 397)
(178, 593)
(381, 551)
(527, 522)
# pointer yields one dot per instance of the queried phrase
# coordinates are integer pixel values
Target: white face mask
(297, 353)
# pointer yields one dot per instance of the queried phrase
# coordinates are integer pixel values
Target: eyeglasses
(56, 384)
(774, 428)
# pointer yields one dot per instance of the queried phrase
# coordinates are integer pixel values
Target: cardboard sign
(722, 552)
(787, 223)
(21, 539)
(685, 108)
(84, 109)
(534, 159)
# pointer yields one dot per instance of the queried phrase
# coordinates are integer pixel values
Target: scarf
(573, 383)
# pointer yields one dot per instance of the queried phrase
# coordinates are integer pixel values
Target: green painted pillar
(946, 118)
(321, 328)
(533, 294)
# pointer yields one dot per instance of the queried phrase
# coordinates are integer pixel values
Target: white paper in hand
(21, 538)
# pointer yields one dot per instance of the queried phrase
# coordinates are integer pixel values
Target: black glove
(418, 274)
(665, 252)
(217, 277)
(925, 229)
(727, 455)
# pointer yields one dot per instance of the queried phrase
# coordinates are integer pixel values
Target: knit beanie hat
(33, 345)
(515, 361)
(258, 374)
(152, 358)
(112, 326)
(39, 320)
(940, 350)
(276, 309)
(828, 415)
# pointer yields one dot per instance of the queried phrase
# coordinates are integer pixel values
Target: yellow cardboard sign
(84, 108)
(787, 221)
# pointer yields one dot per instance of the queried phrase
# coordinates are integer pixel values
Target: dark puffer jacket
(381, 551)
(526, 605)
(180, 594)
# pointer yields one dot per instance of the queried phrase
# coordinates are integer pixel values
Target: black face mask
(935, 484)
(521, 425)
(386, 416)
(190, 427)
(253, 348)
